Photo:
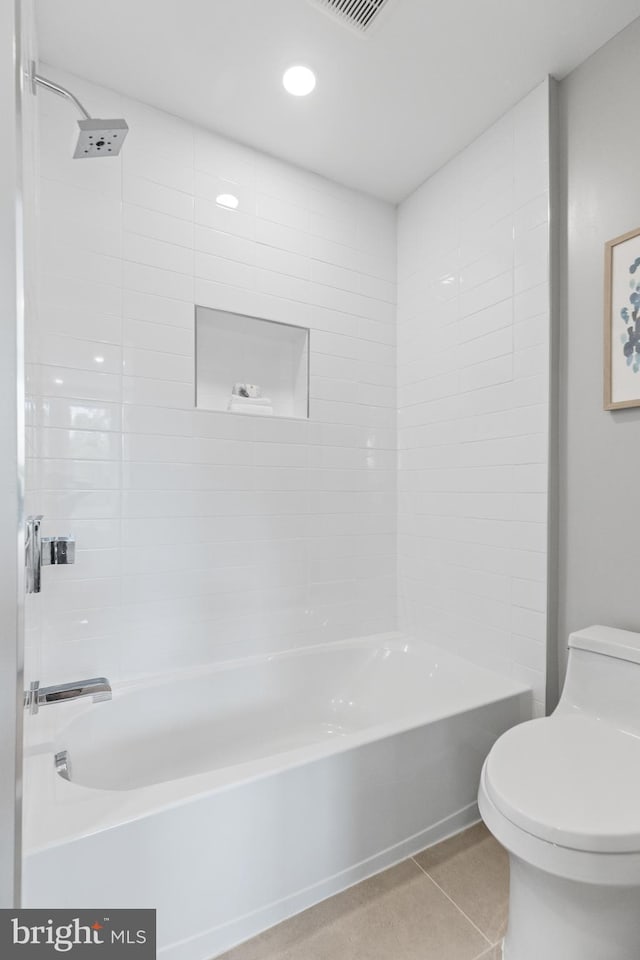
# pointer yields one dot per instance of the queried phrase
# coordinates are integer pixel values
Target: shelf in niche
(234, 348)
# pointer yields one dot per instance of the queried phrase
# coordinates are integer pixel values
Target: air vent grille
(359, 14)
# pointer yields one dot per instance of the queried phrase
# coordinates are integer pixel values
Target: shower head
(97, 138)
(100, 138)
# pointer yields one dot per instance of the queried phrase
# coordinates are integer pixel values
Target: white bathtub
(232, 797)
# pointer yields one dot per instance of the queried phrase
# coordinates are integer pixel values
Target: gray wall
(599, 469)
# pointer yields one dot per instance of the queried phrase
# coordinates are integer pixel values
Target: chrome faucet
(98, 688)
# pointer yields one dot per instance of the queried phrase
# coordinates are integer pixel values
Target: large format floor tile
(448, 903)
(493, 953)
(473, 869)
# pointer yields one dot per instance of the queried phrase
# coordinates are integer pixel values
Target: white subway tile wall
(473, 392)
(203, 536)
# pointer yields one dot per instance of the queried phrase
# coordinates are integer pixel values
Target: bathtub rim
(59, 800)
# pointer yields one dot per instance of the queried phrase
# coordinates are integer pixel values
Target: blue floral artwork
(631, 318)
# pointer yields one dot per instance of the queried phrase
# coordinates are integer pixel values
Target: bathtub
(234, 796)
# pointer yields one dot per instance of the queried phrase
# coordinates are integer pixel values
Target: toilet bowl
(562, 795)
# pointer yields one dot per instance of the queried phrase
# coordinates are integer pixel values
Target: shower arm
(37, 80)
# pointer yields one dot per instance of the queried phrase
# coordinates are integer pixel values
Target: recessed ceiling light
(227, 200)
(99, 359)
(299, 80)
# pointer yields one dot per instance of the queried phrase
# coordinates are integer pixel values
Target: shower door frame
(12, 452)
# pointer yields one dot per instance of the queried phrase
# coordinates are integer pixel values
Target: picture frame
(622, 322)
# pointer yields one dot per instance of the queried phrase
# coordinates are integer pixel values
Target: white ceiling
(390, 106)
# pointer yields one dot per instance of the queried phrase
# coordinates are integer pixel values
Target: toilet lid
(571, 780)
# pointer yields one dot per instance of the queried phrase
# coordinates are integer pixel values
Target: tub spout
(98, 688)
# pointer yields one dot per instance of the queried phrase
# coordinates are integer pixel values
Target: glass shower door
(12, 297)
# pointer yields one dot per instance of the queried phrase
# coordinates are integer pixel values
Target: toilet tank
(603, 676)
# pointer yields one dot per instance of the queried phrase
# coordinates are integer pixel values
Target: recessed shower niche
(247, 365)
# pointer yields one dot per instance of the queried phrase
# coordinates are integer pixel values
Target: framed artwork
(622, 322)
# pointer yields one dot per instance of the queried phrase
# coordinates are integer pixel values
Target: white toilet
(562, 795)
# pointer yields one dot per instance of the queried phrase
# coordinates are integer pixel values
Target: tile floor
(447, 903)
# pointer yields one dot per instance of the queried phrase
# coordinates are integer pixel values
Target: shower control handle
(44, 551)
(57, 551)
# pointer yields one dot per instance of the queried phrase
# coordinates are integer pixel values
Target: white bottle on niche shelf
(247, 398)
(272, 356)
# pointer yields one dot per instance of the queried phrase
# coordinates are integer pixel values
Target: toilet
(562, 795)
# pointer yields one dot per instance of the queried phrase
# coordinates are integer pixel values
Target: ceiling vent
(358, 14)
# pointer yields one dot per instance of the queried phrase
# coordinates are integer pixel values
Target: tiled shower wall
(203, 535)
(473, 384)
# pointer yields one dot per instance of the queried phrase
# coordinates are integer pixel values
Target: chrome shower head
(100, 138)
